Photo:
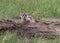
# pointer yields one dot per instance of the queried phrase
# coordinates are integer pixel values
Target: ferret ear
(30, 17)
(19, 17)
(21, 14)
(37, 21)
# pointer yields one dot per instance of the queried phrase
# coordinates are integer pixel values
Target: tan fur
(27, 20)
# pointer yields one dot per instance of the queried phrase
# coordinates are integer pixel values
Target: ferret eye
(24, 15)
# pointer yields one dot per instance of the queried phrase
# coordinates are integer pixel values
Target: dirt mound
(45, 28)
(49, 29)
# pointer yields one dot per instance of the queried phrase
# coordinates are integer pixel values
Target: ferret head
(24, 16)
(27, 18)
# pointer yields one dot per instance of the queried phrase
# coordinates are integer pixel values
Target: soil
(49, 28)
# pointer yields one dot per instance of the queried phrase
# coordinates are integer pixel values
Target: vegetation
(7, 37)
(36, 8)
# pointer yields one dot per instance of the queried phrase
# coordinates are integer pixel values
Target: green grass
(36, 8)
(8, 37)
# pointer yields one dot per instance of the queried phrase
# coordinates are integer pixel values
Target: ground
(45, 27)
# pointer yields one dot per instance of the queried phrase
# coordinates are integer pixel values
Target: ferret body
(26, 19)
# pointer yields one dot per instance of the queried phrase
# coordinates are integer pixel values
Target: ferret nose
(24, 17)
